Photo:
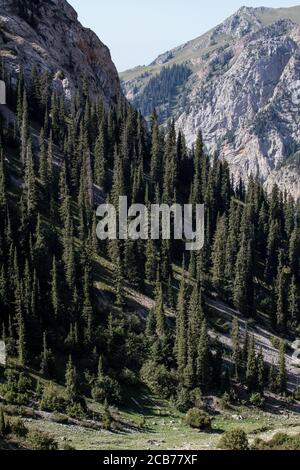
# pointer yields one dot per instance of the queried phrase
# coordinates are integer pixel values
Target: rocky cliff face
(46, 34)
(244, 93)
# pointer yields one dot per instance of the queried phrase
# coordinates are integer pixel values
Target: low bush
(277, 342)
(17, 427)
(142, 423)
(128, 377)
(236, 439)
(158, 379)
(198, 419)
(41, 441)
(107, 389)
(225, 401)
(76, 411)
(183, 401)
(297, 394)
(52, 399)
(68, 447)
(107, 421)
(17, 388)
(4, 424)
(257, 400)
(280, 441)
(60, 418)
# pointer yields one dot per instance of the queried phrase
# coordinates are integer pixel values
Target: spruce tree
(236, 349)
(54, 289)
(159, 311)
(151, 262)
(282, 373)
(24, 128)
(294, 252)
(260, 366)
(3, 423)
(195, 319)
(46, 358)
(30, 189)
(181, 327)
(218, 259)
(203, 359)
(251, 371)
(280, 295)
(155, 169)
(272, 379)
(293, 303)
(42, 158)
(100, 158)
(3, 198)
(243, 282)
(71, 381)
(87, 309)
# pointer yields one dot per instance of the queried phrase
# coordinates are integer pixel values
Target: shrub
(107, 421)
(196, 397)
(226, 400)
(236, 439)
(198, 419)
(15, 398)
(24, 384)
(158, 379)
(68, 447)
(277, 343)
(17, 427)
(129, 377)
(17, 388)
(257, 400)
(142, 423)
(183, 400)
(98, 394)
(75, 410)
(4, 425)
(297, 394)
(39, 389)
(40, 441)
(52, 399)
(107, 389)
(280, 441)
(60, 418)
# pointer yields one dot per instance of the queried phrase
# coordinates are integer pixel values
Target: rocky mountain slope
(243, 93)
(47, 35)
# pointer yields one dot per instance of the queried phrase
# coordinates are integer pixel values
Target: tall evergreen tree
(71, 381)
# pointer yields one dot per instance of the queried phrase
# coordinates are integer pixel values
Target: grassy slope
(270, 15)
(165, 428)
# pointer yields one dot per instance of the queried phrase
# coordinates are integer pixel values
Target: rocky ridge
(47, 35)
(244, 93)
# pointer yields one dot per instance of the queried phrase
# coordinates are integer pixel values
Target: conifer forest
(97, 332)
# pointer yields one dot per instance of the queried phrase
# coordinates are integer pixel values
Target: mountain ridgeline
(242, 93)
(75, 327)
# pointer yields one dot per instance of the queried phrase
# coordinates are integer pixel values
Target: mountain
(241, 91)
(47, 36)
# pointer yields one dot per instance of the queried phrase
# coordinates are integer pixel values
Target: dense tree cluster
(161, 92)
(51, 262)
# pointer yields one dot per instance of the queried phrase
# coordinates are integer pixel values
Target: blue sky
(136, 31)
